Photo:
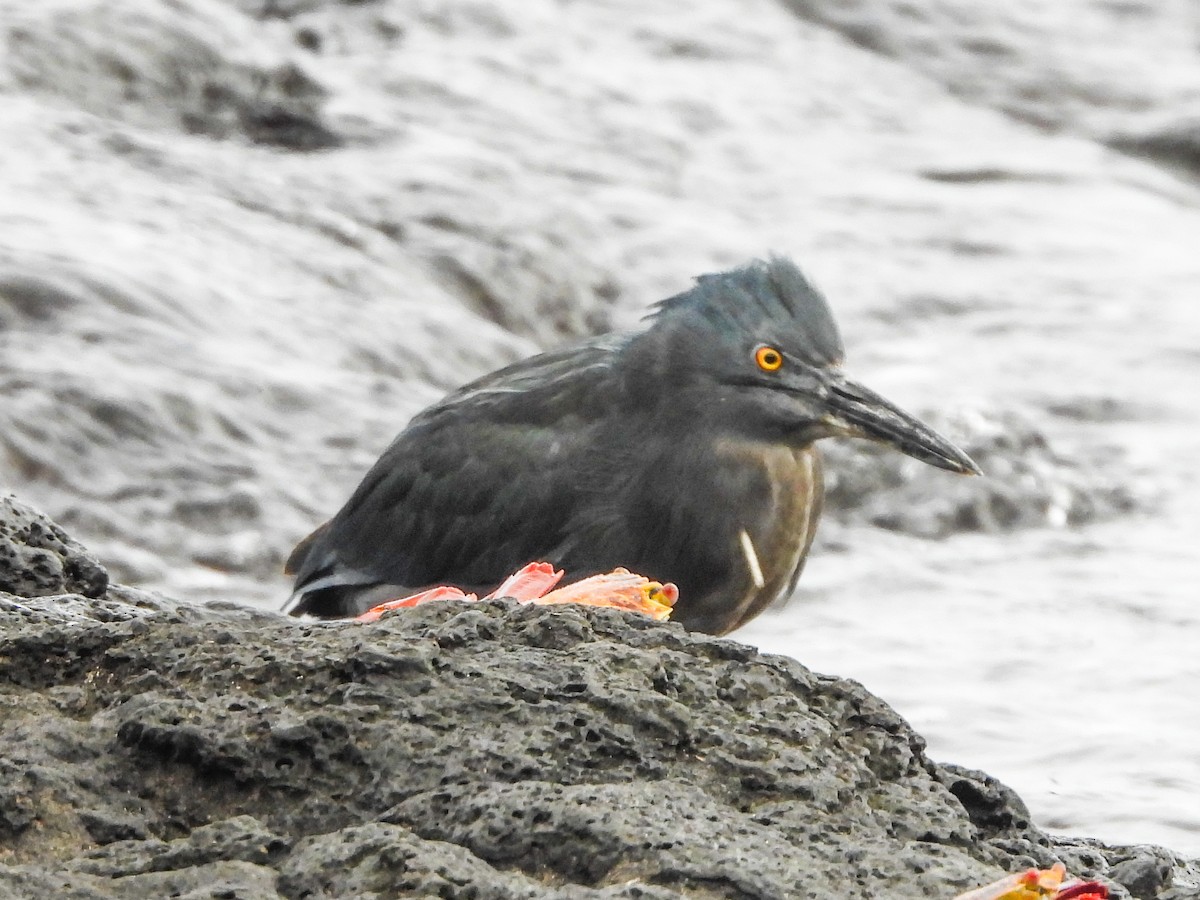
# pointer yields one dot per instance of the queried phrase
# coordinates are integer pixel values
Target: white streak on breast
(751, 559)
(806, 457)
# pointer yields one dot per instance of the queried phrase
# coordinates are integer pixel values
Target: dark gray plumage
(683, 452)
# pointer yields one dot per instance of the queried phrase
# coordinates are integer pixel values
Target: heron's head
(755, 351)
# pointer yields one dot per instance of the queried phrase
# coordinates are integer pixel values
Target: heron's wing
(476, 486)
(300, 552)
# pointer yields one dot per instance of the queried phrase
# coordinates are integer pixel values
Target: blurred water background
(241, 242)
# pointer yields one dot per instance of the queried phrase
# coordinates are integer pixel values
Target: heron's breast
(777, 516)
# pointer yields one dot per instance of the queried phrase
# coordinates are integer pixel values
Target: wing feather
(476, 486)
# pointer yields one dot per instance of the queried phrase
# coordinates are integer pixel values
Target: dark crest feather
(762, 297)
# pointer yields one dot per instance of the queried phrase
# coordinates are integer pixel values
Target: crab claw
(1038, 884)
(444, 592)
(620, 589)
(1083, 890)
(528, 583)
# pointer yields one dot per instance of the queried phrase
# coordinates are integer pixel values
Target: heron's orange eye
(768, 358)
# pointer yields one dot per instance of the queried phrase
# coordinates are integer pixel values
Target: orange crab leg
(533, 583)
(444, 592)
(528, 583)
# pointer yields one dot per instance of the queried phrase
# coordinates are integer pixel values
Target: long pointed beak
(859, 412)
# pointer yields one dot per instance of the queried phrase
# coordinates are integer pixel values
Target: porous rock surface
(37, 558)
(489, 750)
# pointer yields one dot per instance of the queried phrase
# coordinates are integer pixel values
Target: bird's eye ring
(768, 358)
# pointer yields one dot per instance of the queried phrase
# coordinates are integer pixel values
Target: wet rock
(601, 749)
(1029, 481)
(1144, 873)
(37, 558)
(1175, 142)
(473, 750)
(390, 860)
(32, 300)
(530, 291)
(242, 838)
(189, 68)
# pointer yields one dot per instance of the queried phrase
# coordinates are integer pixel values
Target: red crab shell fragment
(1038, 884)
(620, 589)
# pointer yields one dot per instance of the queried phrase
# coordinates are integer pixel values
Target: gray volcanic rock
(37, 558)
(474, 750)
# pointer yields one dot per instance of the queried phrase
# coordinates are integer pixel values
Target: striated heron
(684, 451)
